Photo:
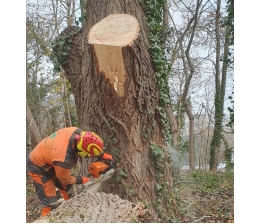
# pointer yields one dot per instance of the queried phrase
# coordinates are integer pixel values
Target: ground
(33, 206)
(206, 197)
(203, 197)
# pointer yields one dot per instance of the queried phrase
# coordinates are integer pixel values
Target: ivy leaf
(158, 187)
(56, 69)
(61, 42)
(123, 173)
(53, 45)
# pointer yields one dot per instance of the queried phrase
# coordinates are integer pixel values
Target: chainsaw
(100, 170)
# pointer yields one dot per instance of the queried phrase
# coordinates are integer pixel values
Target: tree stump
(97, 208)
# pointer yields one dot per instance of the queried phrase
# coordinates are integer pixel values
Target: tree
(48, 93)
(33, 136)
(32, 128)
(116, 95)
(229, 63)
(220, 85)
(185, 41)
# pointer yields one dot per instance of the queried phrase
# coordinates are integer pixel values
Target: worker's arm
(63, 174)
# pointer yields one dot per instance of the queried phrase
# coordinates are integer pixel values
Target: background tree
(220, 85)
(228, 22)
(202, 54)
(48, 93)
(186, 36)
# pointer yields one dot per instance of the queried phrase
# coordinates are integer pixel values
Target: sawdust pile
(90, 207)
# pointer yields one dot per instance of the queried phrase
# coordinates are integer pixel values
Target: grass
(205, 196)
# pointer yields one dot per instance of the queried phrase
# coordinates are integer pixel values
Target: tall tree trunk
(169, 111)
(116, 96)
(229, 39)
(216, 140)
(189, 70)
(188, 76)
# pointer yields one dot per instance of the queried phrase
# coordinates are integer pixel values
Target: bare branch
(202, 218)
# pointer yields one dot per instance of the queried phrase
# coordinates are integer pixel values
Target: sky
(13, 111)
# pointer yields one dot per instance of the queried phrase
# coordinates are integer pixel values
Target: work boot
(45, 211)
(64, 194)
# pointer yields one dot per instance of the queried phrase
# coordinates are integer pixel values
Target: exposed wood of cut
(108, 36)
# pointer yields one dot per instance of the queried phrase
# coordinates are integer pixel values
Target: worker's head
(89, 144)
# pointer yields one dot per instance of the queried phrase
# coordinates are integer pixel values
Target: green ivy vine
(154, 17)
(217, 135)
(231, 112)
(160, 157)
(61, 47)
(164, 200)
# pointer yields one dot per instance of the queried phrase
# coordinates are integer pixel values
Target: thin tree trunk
(216, 140)
(55, 14)
(70, 12)
(173, 125)
(169, 110)
(191, 72)
(33, 136)
(36, 136)
(67, 114)
(223, 88)
(83, 11)
(176, 132)
(28, 142)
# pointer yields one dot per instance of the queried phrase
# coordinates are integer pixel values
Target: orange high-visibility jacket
(55, 155)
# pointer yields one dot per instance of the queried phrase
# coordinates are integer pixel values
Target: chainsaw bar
(102, 178)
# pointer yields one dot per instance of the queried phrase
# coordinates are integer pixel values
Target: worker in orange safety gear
(50, 163)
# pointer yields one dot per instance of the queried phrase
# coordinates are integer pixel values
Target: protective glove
(84, 180)
(107, 156)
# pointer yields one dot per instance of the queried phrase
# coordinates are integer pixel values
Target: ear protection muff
(83, 153)
(79, 152)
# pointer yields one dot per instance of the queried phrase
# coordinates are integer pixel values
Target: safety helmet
(89, 144)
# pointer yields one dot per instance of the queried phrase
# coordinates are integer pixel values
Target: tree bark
(116, 96)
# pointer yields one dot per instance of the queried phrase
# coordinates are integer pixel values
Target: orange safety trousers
(45, 187)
